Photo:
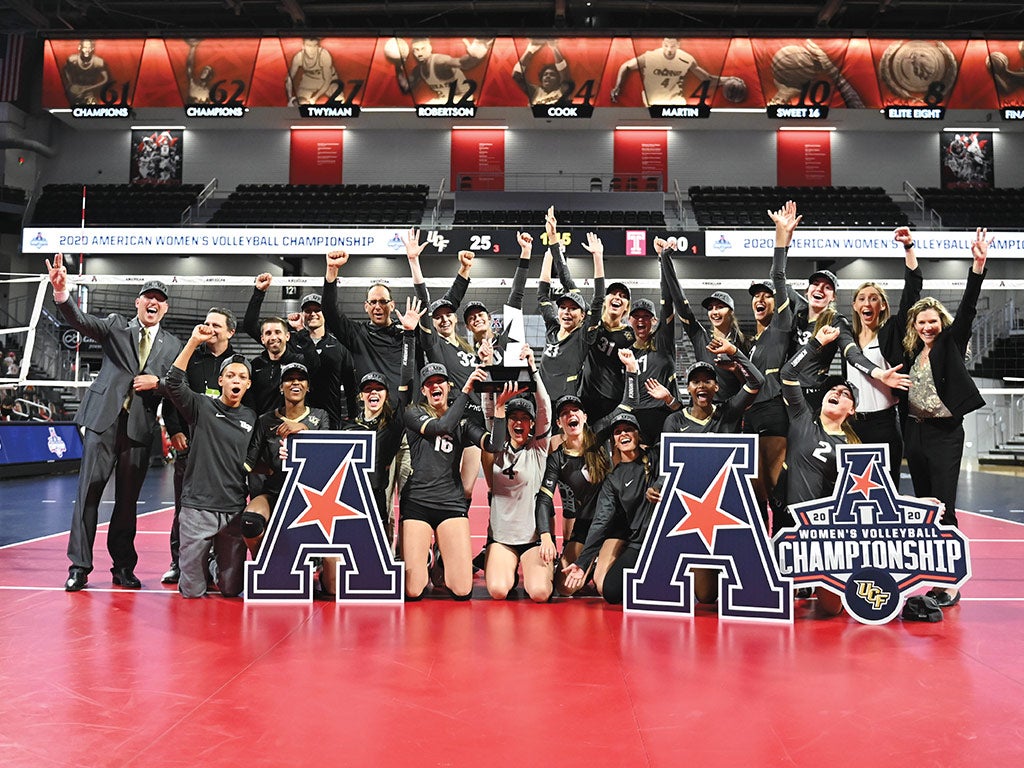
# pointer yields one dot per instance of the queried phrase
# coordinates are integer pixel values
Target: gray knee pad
(253, 525)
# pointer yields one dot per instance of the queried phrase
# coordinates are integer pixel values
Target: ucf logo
(708, 518)
(326, 509)
(872, 594)
(868, 543)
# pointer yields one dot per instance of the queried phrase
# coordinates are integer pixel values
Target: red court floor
(109, 677)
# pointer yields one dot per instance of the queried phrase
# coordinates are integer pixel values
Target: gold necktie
(144, 346)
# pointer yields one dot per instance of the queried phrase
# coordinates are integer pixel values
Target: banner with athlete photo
(967, 160)
(156, 156)
(91, 73)
(563, 77)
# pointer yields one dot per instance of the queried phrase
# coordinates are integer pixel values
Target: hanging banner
(478, 160)
(641, 160)
(967, 160)
(316, 156)
(156, 156)
(804, 158)
(558, 78)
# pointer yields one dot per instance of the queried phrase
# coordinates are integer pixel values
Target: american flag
(12, 47)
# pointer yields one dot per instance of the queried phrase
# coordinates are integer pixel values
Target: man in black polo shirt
(333, 386)
(280, 347)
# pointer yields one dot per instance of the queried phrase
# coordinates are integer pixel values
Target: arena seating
(993, 208)
(820, 206)
(580, 218)
(136, 205)
(372, 204)
(12, 195)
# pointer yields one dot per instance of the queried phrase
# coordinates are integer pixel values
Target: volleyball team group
(583, 422)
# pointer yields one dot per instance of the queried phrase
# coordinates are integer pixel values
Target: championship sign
(868, 543)
(326, 509)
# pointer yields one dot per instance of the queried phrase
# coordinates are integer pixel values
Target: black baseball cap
(153, 285)
(575, 297)
(721, 296)
(565, 400)
(291, 369)
(474, 306)
(436, 305)
(761, 286)
(825, 274)
(521, 404)
(835, 380)
(433, 369)
(642, 305)
(310, 298)
(617, 286)
(623, 418)
(373, 377)
(698, 367)
(236, 359)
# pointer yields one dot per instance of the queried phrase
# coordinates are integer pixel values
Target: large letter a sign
(326, 509)
(708, 518)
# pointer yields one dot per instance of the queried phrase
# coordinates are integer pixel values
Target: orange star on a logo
(863, 483)
(324, 507)
(705, 514)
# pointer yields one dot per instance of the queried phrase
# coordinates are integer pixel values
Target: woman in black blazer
(941, 393)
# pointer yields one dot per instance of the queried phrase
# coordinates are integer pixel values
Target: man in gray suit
(118, 420)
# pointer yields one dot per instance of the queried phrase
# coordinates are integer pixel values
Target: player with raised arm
(516, 453)
(443, 74)
(554, 81)
(942, 392)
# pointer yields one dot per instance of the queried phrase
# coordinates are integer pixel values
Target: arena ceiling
(918, 17)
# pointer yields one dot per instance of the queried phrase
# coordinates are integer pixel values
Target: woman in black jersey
(265, 449)
(622, 515)
(478, 318)
(440, 339)
(603, 375)
(721, 317)
(942, 392)
(578, 466)
(565, 343)
(705, 413)
(654, 351)
(769, 348)
(811, 470)
(814, 309)
(432, 501)
(377, 413)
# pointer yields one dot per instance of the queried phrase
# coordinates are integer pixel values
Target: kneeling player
(214, 489)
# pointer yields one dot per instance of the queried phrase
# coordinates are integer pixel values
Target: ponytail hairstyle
(594, 457)
(825, 318)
